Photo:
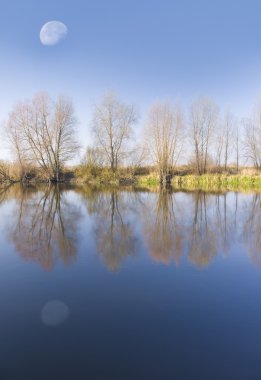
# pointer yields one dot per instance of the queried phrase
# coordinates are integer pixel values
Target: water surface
(129, 284)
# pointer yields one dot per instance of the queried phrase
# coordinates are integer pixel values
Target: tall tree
(237, 142)
(112, 128)
(42, 132)
(229, 131)
(203, 118)
(224, 136)
(252, 141)
(164, 136)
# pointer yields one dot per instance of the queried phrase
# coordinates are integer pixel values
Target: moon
(53, 32)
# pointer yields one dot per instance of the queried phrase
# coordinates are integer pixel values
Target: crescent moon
(53, 32)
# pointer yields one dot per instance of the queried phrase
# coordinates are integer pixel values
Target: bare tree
(42, 133)
(112, 127)
(203, 118)
(219, 147)
(137, 156)
(224, 135)
(164, 136)
(5, 175)
(94, 157)
(252, 126)
(229, 129)
(237, 146)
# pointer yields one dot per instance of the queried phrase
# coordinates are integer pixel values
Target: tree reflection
(196, 224)
(252, 228)
(8, 191)
(226, 220)
(172, 225)
(45, 227)
(114, 232)
(163, 232)
(3, 192)
(202, 239)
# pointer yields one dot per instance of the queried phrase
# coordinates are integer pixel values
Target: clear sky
(144, 50)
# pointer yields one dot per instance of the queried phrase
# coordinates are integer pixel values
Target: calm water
(129, 285)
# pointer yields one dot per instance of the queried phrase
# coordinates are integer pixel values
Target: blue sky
(144, 50)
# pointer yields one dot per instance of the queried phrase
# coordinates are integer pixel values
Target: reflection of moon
(54, 313)
(53, 32)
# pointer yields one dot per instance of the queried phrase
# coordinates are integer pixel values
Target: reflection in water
(200, 225)
(114, 233)
(44, 226)
(252, 228)
(174, 226)
(54, 313)
(170, 225)
(163, 233)
(3, 193)
(202, 239)
(89, 322)
(8, 192)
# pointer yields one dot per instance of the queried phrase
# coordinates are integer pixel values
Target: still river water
(129, 284)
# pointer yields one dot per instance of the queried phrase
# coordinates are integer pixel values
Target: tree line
(42, 134)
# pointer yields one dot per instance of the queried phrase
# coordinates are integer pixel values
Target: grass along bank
(247, 178)
(210, 181)
(207, 181)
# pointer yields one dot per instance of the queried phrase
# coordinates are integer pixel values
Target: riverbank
(205, 182)
(211, 182)
(208, 181)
